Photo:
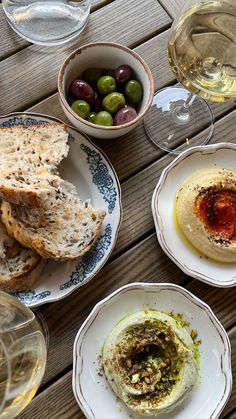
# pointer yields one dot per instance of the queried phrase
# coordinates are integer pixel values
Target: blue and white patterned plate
(90, 171)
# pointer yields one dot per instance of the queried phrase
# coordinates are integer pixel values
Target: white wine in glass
(202, 55)
(23, 353)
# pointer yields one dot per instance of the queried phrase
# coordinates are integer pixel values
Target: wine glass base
(173, 128)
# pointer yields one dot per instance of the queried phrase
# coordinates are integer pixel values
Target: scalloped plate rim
(158, 220)
(158, 287)
(40, 115)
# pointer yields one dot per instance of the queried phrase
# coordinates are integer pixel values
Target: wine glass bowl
(23, 353)
(202, 49)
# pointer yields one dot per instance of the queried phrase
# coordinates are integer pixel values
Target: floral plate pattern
(90, 171)
(170, 239)
(91, 389)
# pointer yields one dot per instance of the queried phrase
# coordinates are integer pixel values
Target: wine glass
(23, 353)
(202, 55)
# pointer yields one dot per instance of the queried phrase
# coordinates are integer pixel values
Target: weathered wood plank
(231, 415)
(11, 42)
(56, 402)
(66, 407)
(40, 77)
(173, 7)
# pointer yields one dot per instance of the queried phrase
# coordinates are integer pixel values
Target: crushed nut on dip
(149, 359)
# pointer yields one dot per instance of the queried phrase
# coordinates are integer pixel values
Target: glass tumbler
(23, 353)
(47, 22)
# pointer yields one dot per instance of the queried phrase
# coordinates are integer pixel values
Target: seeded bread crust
(22, 282)
(68, 229)
(19, 267)
(28, 157)
(41, 210)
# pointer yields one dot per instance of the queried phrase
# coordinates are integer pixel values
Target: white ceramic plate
(92, 391)
(182, 253)
(90, 171)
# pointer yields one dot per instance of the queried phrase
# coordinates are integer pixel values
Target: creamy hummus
(148, 359)
(206, 212)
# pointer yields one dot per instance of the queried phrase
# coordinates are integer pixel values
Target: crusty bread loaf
(19, 266)
(67, 230)
(29, 156)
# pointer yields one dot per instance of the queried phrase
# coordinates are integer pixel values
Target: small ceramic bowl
(105, 55)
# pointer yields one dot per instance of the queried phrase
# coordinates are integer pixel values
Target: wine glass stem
(182, 112)
(189, 101)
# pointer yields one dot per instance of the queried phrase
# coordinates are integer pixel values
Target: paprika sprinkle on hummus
(216, 207)
(206, 212)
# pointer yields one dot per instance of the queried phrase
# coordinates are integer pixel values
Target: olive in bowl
(91, 63)
(112, 91)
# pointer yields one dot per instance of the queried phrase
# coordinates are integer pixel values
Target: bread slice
(27, 189)
(28, 157)
(67, 230)
(19, 267)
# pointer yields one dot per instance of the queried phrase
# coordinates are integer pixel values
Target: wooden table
(28, 81)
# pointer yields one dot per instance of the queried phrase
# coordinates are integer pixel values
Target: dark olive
(92, 75)
(82, 90)
(97, 103)
(125, 115)
(123, 73)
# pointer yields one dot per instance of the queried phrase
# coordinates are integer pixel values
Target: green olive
(113, 102)
(103, 118)
(133, 91)
(106, 85)
(91, 117)
(81, 108)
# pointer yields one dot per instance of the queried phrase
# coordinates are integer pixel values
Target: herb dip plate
(91, 172)
(93, 392)
(172, 241)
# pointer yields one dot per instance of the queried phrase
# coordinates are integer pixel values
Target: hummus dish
(149, 359)
(206, 212)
